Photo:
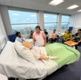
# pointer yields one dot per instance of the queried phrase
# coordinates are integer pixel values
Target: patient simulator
(22, 60)
(36, 51)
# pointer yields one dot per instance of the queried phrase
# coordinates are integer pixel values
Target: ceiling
(43, 5)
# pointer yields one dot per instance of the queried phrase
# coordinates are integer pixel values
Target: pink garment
(39, 38)
(54, 35)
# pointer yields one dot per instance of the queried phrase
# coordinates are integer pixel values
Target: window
(23, 21)
(50, 22)
(65, 22)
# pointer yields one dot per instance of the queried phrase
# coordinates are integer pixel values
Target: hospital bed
(12, 65)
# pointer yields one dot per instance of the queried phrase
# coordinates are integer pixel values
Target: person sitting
(39, 37)
(77, 38)
(46, 33)
(67, 36)
(19, 37)
(54, 36)
(31, 34)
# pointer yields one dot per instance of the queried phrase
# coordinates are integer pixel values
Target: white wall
(2, 29)
(6, 20)
(76, 21)
(41, 19)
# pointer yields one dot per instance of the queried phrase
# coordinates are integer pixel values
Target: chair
(12, 37)
(70, 28)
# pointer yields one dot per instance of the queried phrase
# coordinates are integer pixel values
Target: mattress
(12, 65)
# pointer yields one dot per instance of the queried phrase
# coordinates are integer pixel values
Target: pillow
(18, 46)
(24, 52)
(27, 44)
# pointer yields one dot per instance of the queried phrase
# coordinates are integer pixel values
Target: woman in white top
(19, 37)
(54, 36)
(39, 37)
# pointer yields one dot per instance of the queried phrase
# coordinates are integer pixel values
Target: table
(71, 43)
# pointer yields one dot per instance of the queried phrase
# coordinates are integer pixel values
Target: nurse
(39, 38)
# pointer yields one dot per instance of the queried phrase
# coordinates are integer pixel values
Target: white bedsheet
(12, 65)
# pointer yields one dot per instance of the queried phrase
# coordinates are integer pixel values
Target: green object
(67, 36)
(66, 54)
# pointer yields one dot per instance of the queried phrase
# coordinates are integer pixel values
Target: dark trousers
(53, 40)
(47, 39)
(79, 44)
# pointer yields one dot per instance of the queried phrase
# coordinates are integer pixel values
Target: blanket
(67, 54)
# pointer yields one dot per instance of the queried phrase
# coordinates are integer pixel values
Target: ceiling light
(73, 7)
(56, 2)
(79, 10)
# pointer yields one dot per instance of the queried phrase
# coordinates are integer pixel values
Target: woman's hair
(69, 31)
(79, 29)
(17, 33)
(37, 27)
(54, 30)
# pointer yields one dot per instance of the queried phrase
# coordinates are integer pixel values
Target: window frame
(65, 22)
(51, 22)
(24, 23)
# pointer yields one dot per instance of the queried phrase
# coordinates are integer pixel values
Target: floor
(70, 72)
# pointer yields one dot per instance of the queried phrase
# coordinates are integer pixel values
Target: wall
(2, 29)
(41, 19)
(6, 20)
(76, 21)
